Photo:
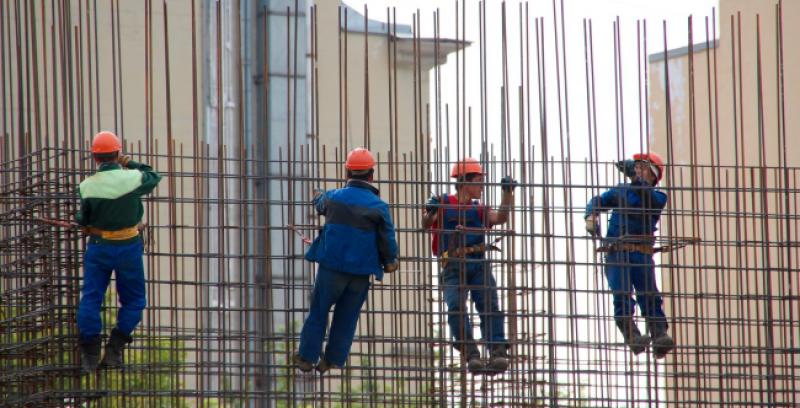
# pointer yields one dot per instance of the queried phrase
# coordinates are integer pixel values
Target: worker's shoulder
(619, 187)
(356, 196)
(660, 193)
(110, 184)
(359, 193)
(636, 188)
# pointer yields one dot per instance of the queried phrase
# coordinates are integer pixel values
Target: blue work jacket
(635, 209)
(358, 236)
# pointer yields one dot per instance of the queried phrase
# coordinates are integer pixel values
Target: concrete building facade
(725, 125)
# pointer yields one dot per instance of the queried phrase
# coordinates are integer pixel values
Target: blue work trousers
(348, 292)
(626, 271)
(474, 277)
(100, 260)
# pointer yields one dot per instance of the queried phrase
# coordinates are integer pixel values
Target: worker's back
(112, 196)
(636, 210)
(358, 236)
(111, 209)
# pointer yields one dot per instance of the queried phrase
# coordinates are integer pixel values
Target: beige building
(240, 81)
(731, 106)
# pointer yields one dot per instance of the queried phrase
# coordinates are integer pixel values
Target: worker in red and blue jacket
(358, 240)
(635, 211)
(111, 211)
(459, 224)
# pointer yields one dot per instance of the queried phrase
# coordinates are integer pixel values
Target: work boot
(325, 365)
(473, 356)
(498, 362)
(633, 337)
(114, 349)
(301, 363)
(90, 353)
(662, 342)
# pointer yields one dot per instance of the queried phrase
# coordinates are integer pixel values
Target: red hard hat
(653, 158)
(359, 159)
(106, 142)
(466, 166)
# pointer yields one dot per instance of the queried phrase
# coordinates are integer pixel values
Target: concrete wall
(717, 119)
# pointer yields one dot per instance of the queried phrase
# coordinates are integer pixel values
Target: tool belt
(628, 247)
(461, 252)
(116, 235)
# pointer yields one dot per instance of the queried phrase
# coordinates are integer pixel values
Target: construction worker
(358, 240)
(459, 223)
(636, 208)
(111, 210)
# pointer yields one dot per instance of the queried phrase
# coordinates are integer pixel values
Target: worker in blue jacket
(358, 240)
(636, 208)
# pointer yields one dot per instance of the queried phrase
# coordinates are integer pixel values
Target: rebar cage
(242, 154)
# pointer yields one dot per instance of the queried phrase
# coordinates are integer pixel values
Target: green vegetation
(147, 381)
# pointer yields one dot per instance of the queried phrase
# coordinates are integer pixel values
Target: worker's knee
(455, 306)
(494, 300)
(136, 304)
(623, 305)
(486, 300)
(88, 312)
(454, 296)
(92, 296)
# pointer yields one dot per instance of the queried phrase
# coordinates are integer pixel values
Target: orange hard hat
(359, 159)
(655, 160)
(466, 166)
(106, 142)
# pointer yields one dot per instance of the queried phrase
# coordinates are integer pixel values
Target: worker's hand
(123, 160)
(391, 267)
(508, 184)
(627, 167)
(592, 225)
(433, 205)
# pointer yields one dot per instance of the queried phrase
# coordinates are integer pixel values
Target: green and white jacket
(111, 199)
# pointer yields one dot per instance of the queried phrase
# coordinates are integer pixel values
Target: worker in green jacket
(111, 211)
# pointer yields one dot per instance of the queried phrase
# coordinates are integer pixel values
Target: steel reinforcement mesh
(226, 230)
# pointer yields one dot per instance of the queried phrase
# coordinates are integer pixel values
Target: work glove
(124, 160)
(508, 184)
(391, 267)
(592, 225)
(627, 167)
(433, 205)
